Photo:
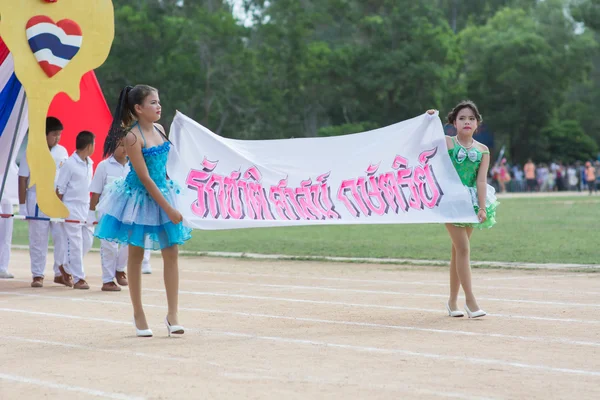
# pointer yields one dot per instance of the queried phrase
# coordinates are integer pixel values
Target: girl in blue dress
(140, 210)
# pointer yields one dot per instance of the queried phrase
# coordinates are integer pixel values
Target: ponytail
(124, 108)
(122, 118)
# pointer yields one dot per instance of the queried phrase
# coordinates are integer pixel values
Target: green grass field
(537, 230)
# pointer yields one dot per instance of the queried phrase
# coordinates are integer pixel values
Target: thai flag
(13, 113)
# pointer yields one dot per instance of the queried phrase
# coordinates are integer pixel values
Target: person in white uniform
(7, 202)
(38, 230)
(73, 188)
(113, 256)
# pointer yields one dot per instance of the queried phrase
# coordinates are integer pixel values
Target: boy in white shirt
(113, 255)
(73, 188)
(38, 230)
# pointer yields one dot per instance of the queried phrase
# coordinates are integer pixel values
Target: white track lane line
(66, 288)
(120, 352)
(318, 380)
(365, 291)
(368, 349)
(69, 388)
(361, 349)
(396, 282)
(440, 296)
(572, 292)
(255, 375)
(359, 305)
(382, 282)
(538, 339)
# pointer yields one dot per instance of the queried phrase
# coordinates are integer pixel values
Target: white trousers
(146, 262)
(38, 239)
(114, 259)
(6, 231)
(79, 240)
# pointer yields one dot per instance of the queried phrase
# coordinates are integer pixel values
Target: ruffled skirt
(491, 203)
(131, 216)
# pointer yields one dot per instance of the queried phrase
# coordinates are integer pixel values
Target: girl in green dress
(471, 160)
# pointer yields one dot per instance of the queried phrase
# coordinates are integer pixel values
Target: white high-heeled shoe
(455, 314)
(174, 329)
(142, 332)
(474, 314)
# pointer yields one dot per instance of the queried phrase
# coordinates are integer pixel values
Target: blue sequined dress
(131, 216)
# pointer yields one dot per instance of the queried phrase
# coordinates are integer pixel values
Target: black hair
(84, 139)
(464, 104)
(108, 150)
(124, 115)
(53, 124)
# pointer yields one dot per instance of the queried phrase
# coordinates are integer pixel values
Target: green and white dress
(467, 162)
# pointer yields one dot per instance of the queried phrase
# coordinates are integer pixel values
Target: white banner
(394, 175)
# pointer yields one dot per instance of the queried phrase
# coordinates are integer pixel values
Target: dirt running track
(303, 330)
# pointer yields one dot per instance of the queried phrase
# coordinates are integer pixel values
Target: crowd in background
(543, 177)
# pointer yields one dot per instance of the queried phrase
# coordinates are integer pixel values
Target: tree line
(305, 68)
